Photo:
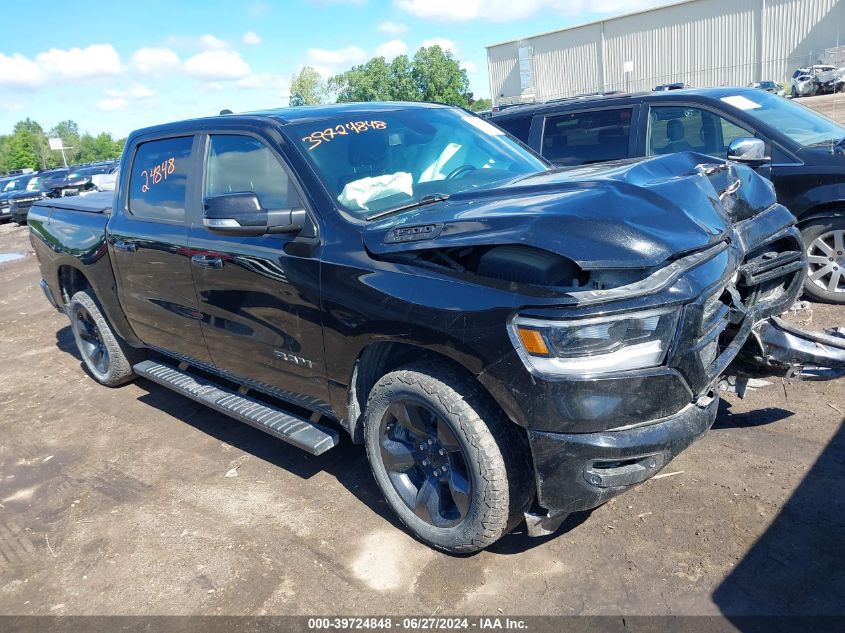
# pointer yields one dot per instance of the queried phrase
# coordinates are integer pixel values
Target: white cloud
(329, 62)
(262, 81)
(18, 70)
(154, 61)
(12, 106)
(112, 103)
(470, 67)
(217, 65)
(211, 43)
(116, 99)
(391, 49)
(257, 9)
(348, 55)
(442, 42)
(140, 91)
(252, 38)
(97, 60)
(506, 10)
(392, 28)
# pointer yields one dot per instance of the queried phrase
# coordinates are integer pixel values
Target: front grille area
(765, 283)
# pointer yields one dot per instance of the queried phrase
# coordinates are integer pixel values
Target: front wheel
(824, 240)
(106, 357)
(450, 466)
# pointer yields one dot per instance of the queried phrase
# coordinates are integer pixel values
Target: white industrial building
(698, 42)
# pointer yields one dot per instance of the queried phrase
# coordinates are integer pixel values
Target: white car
(105, 182)
(803, 86)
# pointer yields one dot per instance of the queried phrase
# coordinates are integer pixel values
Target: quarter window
(243, 163)
(578, 138)
(158, 184)
(687, 129)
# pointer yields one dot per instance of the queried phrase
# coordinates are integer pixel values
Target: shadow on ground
(796, 568)
(758, 417)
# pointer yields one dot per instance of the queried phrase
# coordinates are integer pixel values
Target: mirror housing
(748, 150)
(242, 214)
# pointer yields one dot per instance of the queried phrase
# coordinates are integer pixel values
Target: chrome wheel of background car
(91, 342)
(826, 256)
(425, 463)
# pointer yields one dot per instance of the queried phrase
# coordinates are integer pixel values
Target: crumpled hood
(630, 214)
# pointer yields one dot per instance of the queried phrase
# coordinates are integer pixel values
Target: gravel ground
(829, 105)
(116, 501)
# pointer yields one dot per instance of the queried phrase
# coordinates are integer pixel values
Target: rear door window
(690, 129)
(158, 185)
(579, 138)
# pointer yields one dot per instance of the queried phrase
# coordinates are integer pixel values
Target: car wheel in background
(106, 357)
(451, 467)
(824, 240)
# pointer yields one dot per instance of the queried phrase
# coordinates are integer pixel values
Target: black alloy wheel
(425, 463)
(92, 346)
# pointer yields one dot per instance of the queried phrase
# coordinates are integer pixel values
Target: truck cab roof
(292, 115)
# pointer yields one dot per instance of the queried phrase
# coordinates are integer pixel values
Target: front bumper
(579, 471)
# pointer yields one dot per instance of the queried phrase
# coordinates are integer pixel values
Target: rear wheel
(106, 357)
(824, 240)
(451, 468)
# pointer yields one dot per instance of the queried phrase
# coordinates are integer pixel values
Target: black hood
(630, 214)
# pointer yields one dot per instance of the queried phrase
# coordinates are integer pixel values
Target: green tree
(433, 75)
(30, 140)
(477, 105)
(402, 80)
(307, 88)
(368, 82)
(439, 77)
(22, 151)
(68, 131)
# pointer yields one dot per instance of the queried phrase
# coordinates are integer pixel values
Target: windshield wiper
(425, 200)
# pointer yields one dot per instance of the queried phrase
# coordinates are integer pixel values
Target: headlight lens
(597, 345)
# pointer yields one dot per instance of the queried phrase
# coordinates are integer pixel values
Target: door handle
(207, 261)
(126, 247)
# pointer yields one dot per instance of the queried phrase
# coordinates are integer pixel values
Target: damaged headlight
(595, 345)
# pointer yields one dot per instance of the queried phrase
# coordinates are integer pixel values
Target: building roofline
(600, 21)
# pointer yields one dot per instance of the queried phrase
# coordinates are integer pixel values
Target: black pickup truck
(507, 339)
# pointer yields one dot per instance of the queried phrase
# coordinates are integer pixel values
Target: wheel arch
(380, 358)
(73, 278)
(834, 209)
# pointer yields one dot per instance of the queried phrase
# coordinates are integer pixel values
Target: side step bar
(314, 438)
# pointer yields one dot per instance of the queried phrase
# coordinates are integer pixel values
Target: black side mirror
(242, 214)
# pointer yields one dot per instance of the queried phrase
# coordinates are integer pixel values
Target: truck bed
(100, 202)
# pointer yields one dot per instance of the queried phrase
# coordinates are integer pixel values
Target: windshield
(799, 123)
(18, 184)
(376, 162)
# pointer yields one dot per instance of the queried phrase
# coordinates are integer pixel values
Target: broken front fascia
(785, 350)
(652, 284)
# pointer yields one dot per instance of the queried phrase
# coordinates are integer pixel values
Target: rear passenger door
(260, 296)
(589, 136)
(148, 244)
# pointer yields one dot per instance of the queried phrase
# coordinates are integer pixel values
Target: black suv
(804, 152)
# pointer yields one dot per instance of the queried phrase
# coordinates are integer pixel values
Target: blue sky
(116, 66)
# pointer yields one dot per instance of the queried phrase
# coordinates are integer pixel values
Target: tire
(107, 358)
(824, 241)
(426, 417)
(794, 93)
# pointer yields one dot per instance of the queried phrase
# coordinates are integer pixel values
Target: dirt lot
(829, 105)
(118, 501)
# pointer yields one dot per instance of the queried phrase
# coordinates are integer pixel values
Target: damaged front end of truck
(681, 247)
